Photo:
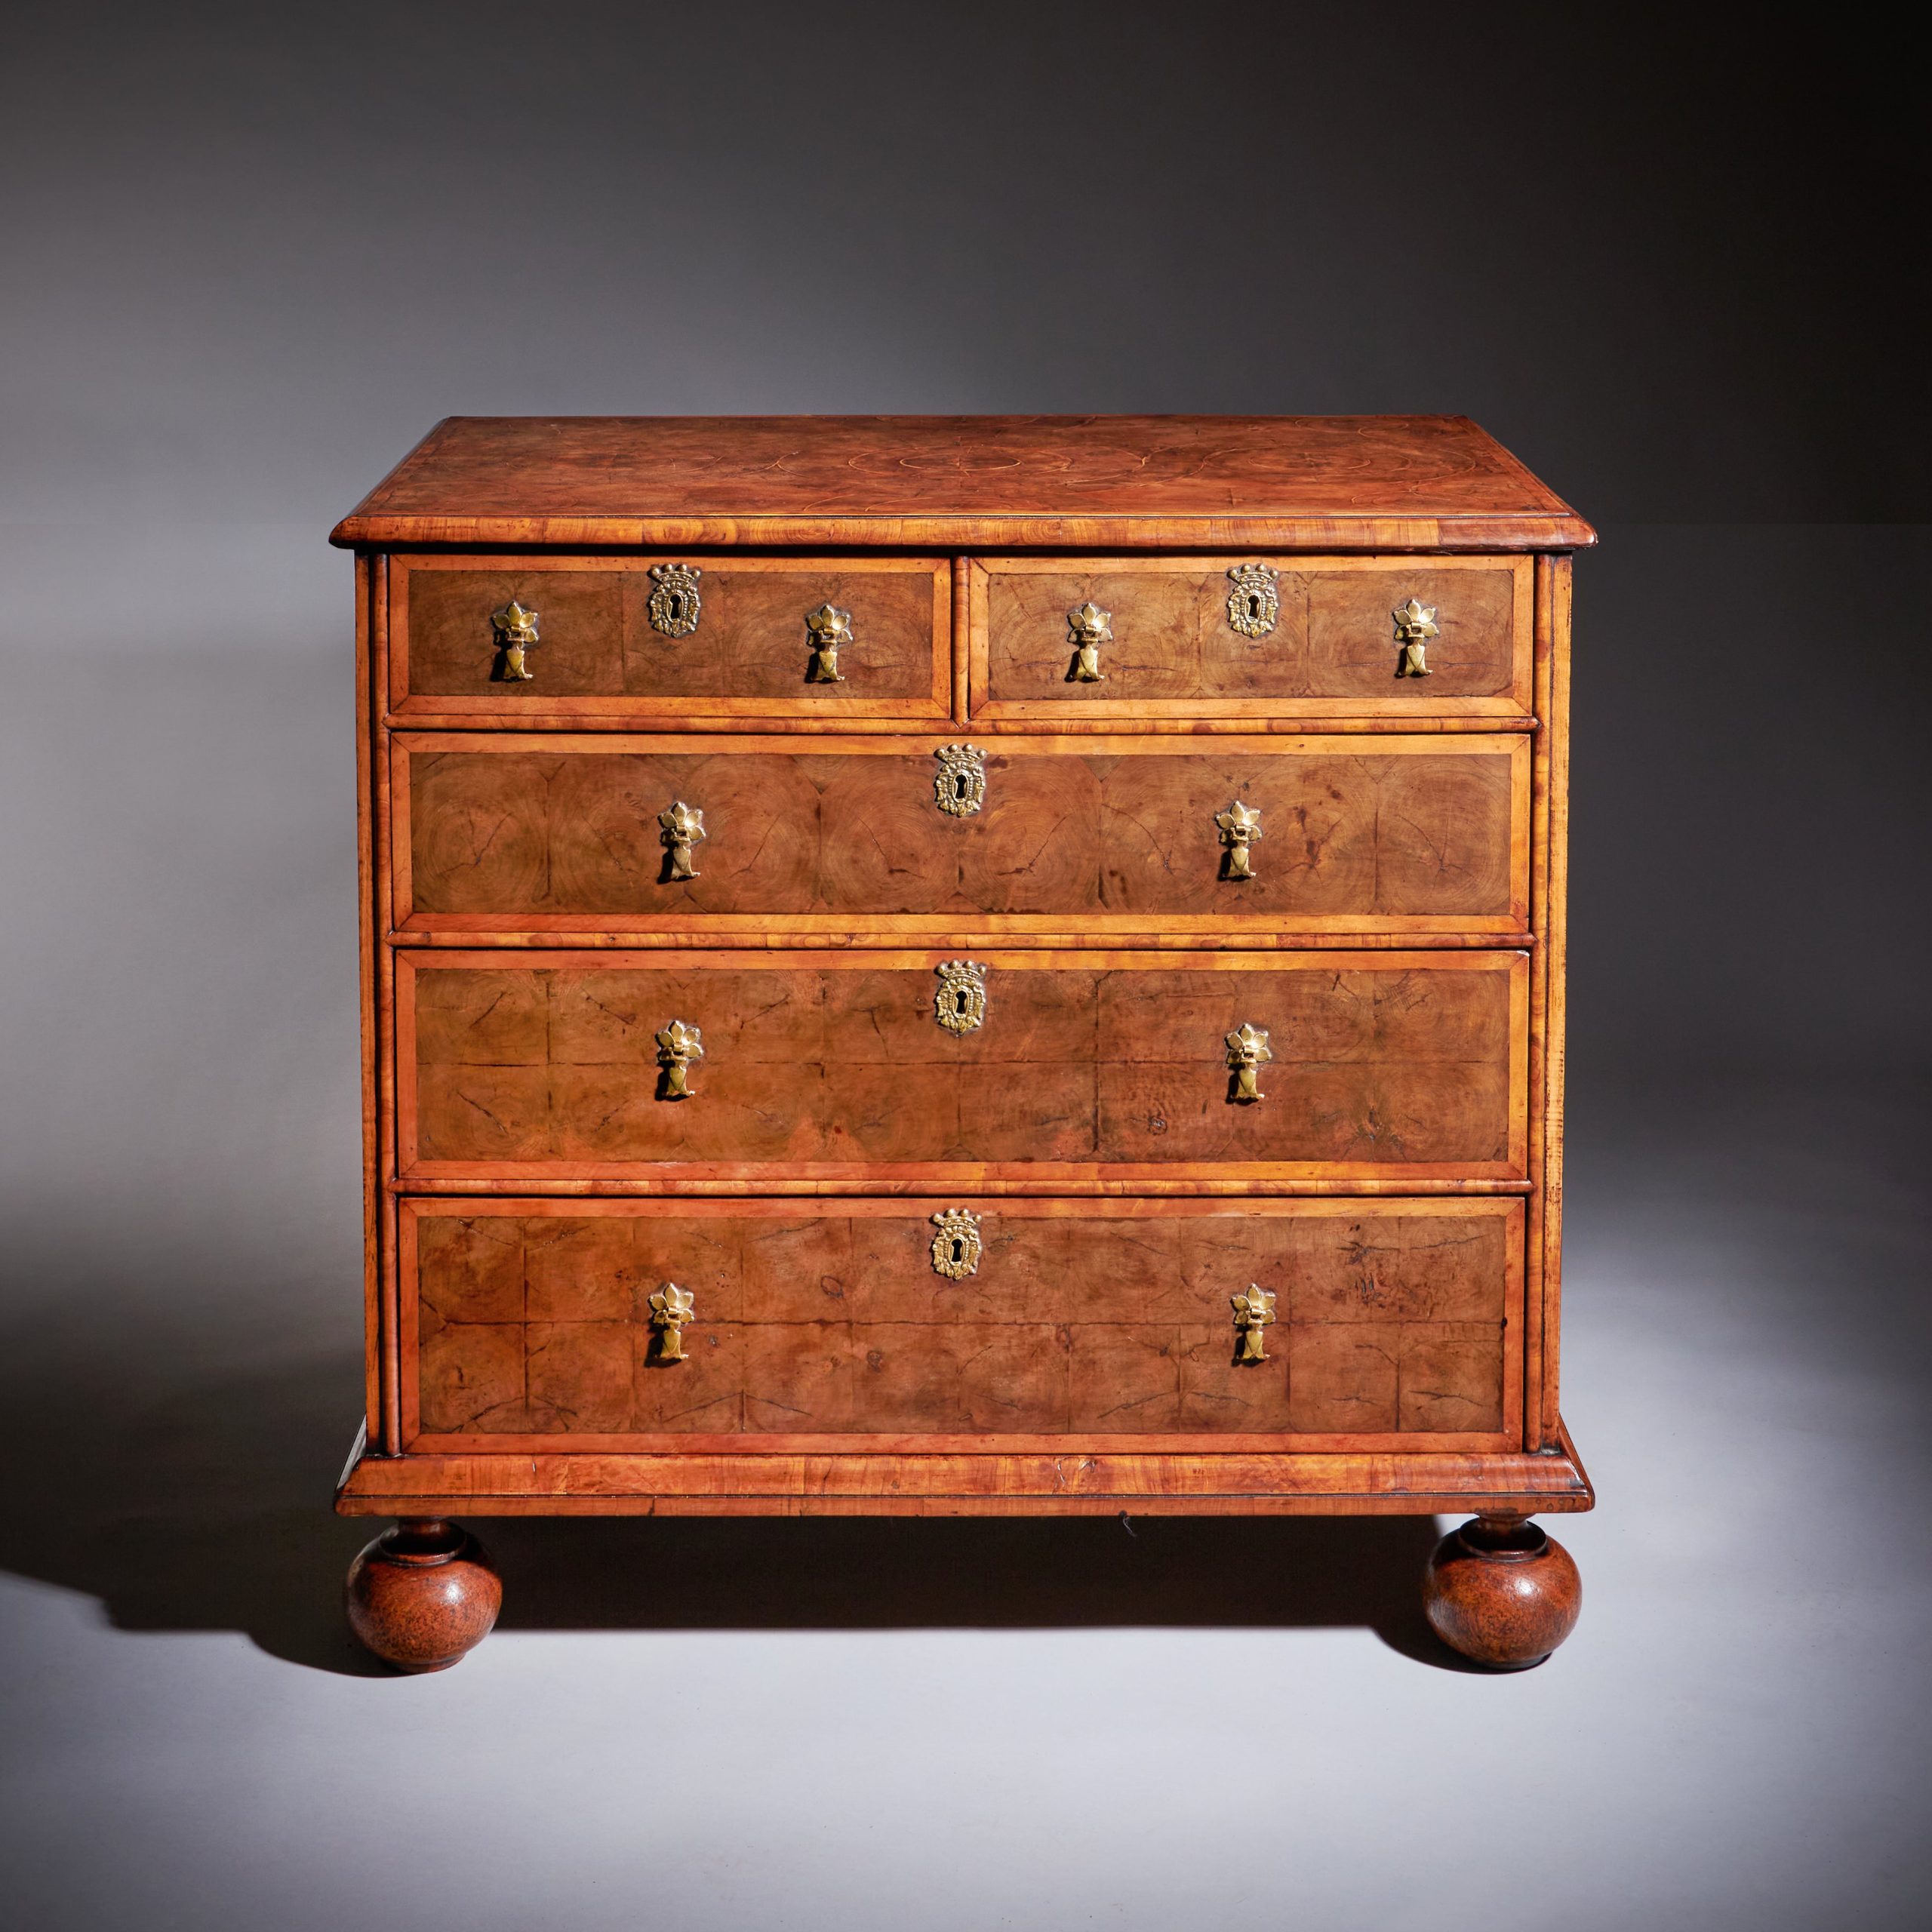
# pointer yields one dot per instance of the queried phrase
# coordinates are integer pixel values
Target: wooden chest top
(1336, 482)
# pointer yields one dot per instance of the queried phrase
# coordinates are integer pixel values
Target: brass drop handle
(678, 1046)
(676, 604)
(1252, 1312)
(828, 628)
(682, 827)
(1248, 1052)
(1415, 623)
(671, 1308)
(1240, 826)
(1089, 627)
(960, 1004)
(959, 785)
(516, 631)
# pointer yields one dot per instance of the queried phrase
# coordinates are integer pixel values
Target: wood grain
(1556, 915)
(1047, 1483)
(1090, 1067)
(383, 863)
(513, 832)
(599, 653)
(1502, 1591)
(1104, 1322)
(1406, 482)
(1174, 653)
(367, 750)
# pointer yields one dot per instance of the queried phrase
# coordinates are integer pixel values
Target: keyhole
(677, 608)
(1253, 603)
(958, 1249)
(959, 785)
(959, 1002)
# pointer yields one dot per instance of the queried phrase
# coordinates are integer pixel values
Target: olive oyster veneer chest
(970, 965)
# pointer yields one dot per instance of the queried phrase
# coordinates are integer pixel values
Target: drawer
(890, 1069)
(529, 1324)
(1191, 637)
(665, 638)
(514, 833)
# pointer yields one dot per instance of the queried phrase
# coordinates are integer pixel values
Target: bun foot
(1502, 1592)
(423, 1594)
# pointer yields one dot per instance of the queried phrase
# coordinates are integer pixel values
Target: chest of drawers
(962, 965)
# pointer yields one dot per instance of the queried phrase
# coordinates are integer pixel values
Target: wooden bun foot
(1502, 1592)
(423, 1594)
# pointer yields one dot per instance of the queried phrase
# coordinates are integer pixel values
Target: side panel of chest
(1248, 840)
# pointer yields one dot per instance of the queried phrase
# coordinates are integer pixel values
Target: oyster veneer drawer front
(981, 1324)
(1207, 637)
(1237, 842)
(799, 1071)
(521, 638)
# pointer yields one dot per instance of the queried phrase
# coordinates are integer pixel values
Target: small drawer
(663, 639)
(792, 1072)
(1228, 841)
(1124, 1323)
(1195, 637)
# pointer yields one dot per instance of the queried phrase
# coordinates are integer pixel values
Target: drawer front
(1189, 637)
(516, 639)
(892, 1068)
(546, 1325)
(1240, 843)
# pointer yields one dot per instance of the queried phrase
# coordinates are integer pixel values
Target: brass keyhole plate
(956, 1248)
(959, 785)
(960, 1004)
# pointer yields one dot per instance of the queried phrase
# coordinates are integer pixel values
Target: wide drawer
(532, 1324)
(509, 639)
(1207, 637)
(1243, 841)
(887, 1068)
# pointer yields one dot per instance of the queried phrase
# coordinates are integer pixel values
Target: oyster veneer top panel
(1414, 482)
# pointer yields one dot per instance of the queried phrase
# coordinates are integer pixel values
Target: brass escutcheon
(671, 1308)
(1090, 627)
(675, 605)
(960, 1004)
(1247, 1051)
(829, 629)
(516, 631)
(683, 826)
(956, 1247)
(678, 1046)
(959, 785)
(1254, 604)
(1415, 621)
(1252, 1312)
(1240, 826)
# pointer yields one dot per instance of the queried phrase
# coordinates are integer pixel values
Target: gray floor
(851, 1724)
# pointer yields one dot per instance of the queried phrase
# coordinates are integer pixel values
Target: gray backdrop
(251, 255)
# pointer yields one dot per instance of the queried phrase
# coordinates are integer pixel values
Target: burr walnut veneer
(962, 965)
